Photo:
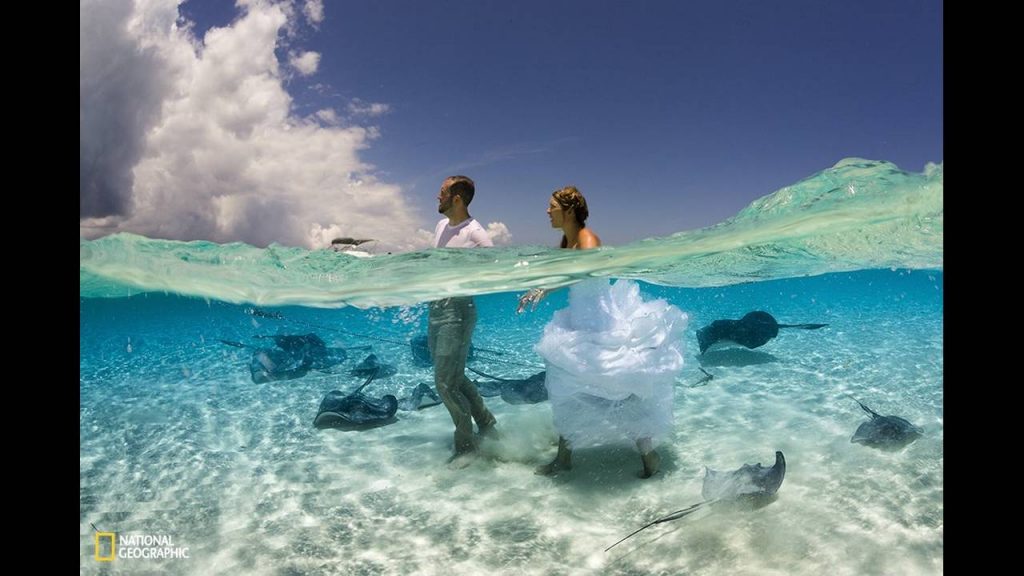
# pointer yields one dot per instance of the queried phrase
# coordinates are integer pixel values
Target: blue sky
(297, 121)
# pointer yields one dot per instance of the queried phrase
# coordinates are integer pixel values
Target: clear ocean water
(176, 439)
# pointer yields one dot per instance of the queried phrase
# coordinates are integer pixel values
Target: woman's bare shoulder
(588, 239)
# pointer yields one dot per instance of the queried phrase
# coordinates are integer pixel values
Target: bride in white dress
(611, 358)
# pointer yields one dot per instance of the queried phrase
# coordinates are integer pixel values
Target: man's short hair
(462, 186)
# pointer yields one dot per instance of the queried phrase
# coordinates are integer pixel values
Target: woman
(567, 210)
(611, 358)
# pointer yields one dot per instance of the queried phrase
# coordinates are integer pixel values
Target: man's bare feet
(461, 460)
(489, 432)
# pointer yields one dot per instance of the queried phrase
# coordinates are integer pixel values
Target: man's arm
(480, 237)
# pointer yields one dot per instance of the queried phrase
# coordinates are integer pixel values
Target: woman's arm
(534, 296)
(587, 239)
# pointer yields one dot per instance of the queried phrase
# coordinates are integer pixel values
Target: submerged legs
(562, 461)
(650, 458)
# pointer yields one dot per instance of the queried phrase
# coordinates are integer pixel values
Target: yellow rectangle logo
(111, 536)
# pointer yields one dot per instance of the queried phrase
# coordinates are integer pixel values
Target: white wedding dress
(612, 360)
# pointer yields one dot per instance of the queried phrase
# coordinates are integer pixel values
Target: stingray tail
(803, 326)
(485, 375)
(488, 351)
(236, 344)
(673, 516)
(708, 377)
(863, 407)
(368, 380)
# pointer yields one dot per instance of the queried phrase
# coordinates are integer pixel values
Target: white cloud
(359, 108)
(422, 239)
(119, 99)
(314, 11)
(306, 63)
(188, 138)
(328, 116)
(499, 233)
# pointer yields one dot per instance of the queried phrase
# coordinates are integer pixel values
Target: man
(452, 320)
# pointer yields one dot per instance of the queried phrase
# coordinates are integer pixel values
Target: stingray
(421, 352)
(530, 390)
(371, 365)
(752, 331)
(270, 364)
(311, 347)
(294, 357)
(488, 389)
(752, 485)
(355, 411)
(423, 396)
(888, 433)
(259, 312)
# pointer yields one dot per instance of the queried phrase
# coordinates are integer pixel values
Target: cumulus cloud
(119, 99)
(192, 138)
(314, 11)
(306, 63)
(359, 108)
(328, 116)
(422, 239)
(499, 233)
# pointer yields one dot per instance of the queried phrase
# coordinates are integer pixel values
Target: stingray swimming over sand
(355, 411)
(755, 329)
(888, 433)
(294, 356)
(751, 485)
(423, 396)
(529, 390)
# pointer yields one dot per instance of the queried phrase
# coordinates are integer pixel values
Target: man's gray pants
(450, 333)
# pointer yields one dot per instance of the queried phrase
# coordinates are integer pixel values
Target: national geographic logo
(111, 545)
(105, 546)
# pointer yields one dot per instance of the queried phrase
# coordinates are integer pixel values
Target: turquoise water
(176, 439)
(858, 215)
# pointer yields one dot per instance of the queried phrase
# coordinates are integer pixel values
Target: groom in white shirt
(452, 320)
